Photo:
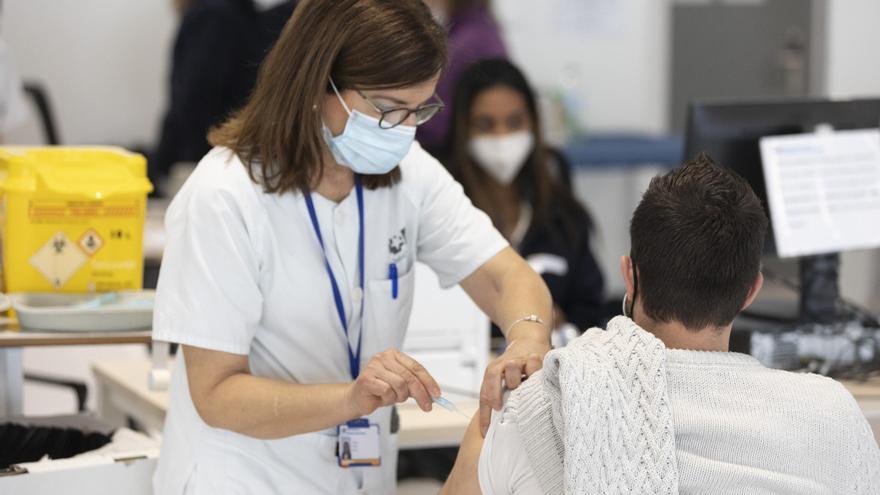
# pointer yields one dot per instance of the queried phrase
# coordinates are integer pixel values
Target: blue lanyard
(354, 357)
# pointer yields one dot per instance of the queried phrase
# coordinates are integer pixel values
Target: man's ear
(753, 292)
(626, 270)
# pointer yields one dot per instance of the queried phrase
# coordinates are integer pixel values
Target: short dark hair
(697, 238)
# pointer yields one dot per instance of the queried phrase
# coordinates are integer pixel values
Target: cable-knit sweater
(738, 427)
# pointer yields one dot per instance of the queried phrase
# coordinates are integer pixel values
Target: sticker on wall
(91, 242)
(58, 260)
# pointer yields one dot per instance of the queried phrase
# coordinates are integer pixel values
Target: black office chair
(79, 388)
(40, 97)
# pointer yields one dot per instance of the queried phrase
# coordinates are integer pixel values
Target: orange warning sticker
(91, 242)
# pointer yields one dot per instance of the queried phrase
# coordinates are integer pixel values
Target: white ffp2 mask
(502, 157)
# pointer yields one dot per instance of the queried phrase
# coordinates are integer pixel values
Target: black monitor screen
(730, 131)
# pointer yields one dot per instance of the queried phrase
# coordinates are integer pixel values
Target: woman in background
(219, 47)
(473, 36)
(498, 155)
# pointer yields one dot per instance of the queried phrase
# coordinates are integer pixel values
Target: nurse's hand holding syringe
(226, 395)
(389, 378)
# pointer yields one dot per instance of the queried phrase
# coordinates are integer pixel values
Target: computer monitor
(730, 132)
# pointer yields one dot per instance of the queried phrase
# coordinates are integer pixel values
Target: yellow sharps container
(72, 219)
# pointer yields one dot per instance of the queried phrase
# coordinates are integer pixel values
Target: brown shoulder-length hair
(361, 44)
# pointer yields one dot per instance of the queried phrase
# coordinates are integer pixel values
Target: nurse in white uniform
(288, 271)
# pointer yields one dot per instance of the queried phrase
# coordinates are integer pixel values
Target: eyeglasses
(391, 118)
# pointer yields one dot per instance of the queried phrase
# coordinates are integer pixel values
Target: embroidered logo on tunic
(397, 243)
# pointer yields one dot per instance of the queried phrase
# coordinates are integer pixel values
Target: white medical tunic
(243, 273)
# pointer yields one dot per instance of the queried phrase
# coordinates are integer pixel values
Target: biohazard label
(91, 242)
(58, 260)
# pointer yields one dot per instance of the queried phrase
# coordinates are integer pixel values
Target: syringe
(449, 406)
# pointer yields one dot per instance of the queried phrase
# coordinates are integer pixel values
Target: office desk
(123, 391)
(13, 339)
(867, 394)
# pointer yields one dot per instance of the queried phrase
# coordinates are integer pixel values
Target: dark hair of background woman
(547, 194)
(457, 6)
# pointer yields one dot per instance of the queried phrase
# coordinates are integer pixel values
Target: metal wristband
(531, 318)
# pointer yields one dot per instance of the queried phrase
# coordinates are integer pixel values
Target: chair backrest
(40, 98)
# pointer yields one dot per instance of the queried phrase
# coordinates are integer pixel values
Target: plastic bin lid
(84, 171)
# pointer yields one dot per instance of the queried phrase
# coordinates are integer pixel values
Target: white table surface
(13, 339)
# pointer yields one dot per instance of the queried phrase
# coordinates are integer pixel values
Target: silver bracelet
(531, 318)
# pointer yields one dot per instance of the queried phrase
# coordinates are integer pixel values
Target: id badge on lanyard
(358, 441)
(358, 444)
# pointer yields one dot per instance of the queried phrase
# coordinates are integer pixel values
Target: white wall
(611, 54)
(853, 41)
(853, 70)
(104, 63)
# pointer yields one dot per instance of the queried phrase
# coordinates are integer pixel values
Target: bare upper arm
(205, 370)
(464, 480)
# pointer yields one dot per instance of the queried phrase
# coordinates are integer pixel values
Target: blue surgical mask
(365, 147)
